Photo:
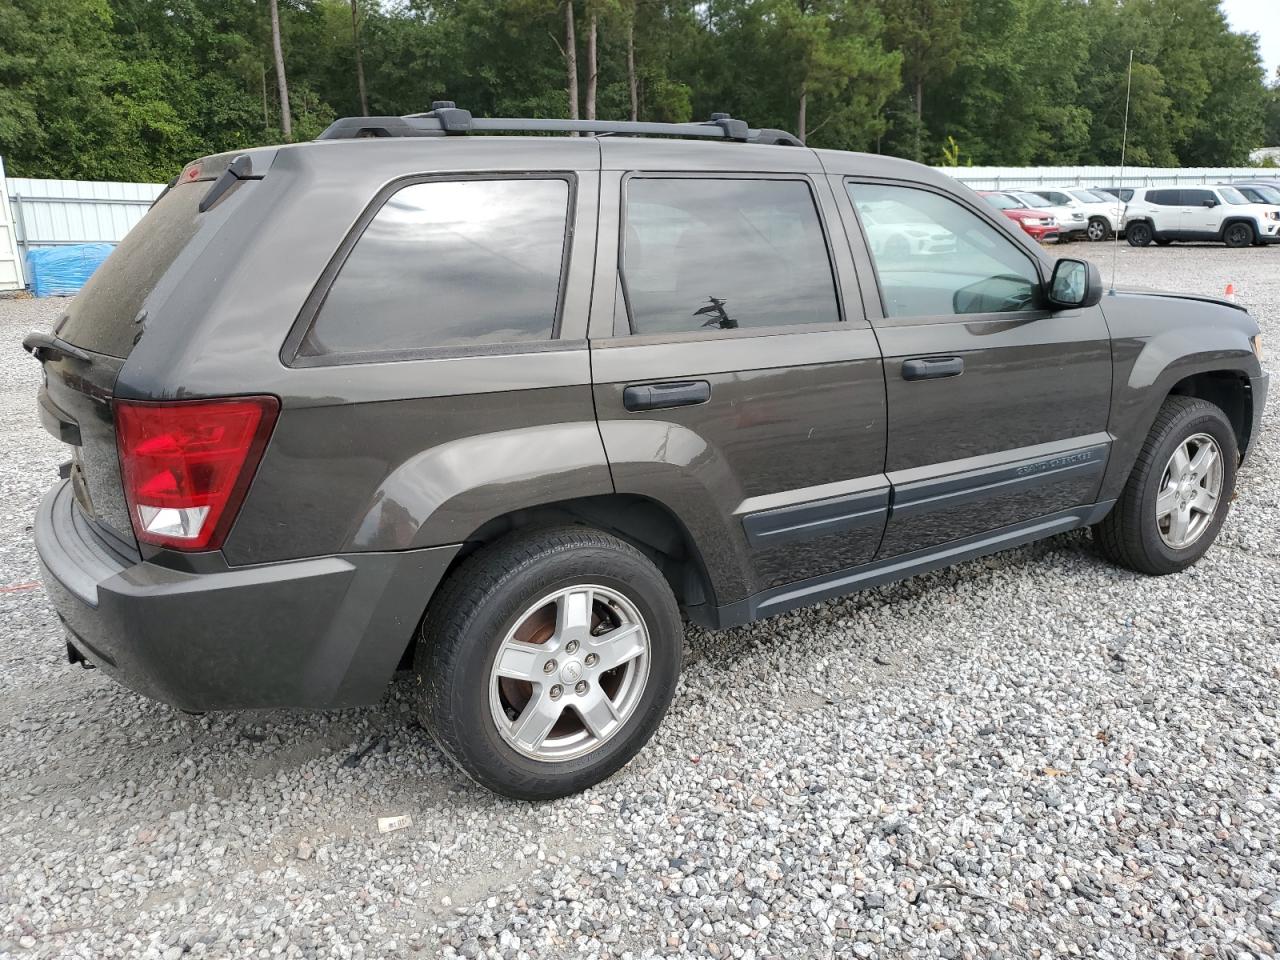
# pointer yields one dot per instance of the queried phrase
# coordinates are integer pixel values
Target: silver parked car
(1103, 213)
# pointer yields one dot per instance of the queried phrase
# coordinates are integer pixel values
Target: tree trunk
(266, 117)
(631, 67)
(801, 116)
(593, 71)
(919, 98)
(355, 40)
(570, 59)
(286, 124)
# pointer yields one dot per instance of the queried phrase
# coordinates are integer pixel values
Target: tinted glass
(936, 258)
(103, 317)
(705, 254)
(1164, 198)
(449, 264)
(1196, 198)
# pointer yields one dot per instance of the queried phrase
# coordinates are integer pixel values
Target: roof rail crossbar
(446, 119)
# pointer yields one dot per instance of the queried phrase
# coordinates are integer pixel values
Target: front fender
(447, 492)
(1158, 341)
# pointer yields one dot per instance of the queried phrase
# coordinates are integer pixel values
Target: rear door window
(448, 264)
(702, 254)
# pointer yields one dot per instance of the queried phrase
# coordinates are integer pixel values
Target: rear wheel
(1177, 496)
(1139, 234)
(1098, 229)
(1238, 235)
(548, 660)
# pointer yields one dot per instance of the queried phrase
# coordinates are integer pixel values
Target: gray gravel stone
(946, 767)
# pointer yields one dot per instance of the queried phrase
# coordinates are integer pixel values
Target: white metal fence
(1031, 178)
(47, 213)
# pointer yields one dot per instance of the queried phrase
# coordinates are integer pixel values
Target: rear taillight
(186, 465)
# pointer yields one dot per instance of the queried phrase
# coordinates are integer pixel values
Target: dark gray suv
(500, 409)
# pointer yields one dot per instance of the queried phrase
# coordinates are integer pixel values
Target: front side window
(724, 254)
(1196, 198)
(457, 263)
(936, 258)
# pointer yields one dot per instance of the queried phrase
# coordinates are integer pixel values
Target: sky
(1263, 18)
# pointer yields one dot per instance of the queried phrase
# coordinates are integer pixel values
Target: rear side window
(724, 254)
(456, 263)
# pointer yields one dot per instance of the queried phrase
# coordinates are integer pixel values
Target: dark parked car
(501, 409)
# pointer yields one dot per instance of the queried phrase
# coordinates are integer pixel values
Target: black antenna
(1124, 145)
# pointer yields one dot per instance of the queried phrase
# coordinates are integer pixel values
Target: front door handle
(658, 396)
(932, 368)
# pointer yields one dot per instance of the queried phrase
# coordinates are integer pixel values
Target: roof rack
(446, 119)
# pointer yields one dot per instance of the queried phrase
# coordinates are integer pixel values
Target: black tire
(1098, 229)
(1139, 234)
(1238, 235)
(468, 621)
(1129, 535)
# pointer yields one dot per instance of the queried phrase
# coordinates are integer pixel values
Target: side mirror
(1075, 283)
(1210, 202)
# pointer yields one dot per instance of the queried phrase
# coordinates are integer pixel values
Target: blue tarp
(62, 271)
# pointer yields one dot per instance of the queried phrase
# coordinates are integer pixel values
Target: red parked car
(1040, 225)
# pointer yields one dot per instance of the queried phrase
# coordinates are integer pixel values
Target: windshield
(1031, 200)
(1232, 195)
(1084, 196)
(1002, 201)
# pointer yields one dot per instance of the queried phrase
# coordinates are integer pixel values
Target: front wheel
(548, 660)
(1177, 496)
(1139, 234)
(1098, 229)
(1238, 235)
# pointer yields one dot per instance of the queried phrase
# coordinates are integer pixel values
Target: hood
(1025, 213)
(1169, 295)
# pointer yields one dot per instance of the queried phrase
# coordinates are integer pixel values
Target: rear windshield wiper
(45, 346)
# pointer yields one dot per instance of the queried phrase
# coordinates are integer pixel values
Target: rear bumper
(321, 632)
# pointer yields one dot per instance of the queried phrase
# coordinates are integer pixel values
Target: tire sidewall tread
(467, 622)
(1128, 535)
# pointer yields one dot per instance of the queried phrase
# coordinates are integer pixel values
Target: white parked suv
(1166, 214)
(1072, 222)
(1103, 213)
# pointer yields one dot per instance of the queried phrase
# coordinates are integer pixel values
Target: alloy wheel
(1189, 491)
(570, 673)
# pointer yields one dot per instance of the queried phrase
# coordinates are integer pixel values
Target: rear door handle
(658, 396)
(932, 368)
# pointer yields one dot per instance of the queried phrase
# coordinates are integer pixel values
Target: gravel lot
(1030, 755)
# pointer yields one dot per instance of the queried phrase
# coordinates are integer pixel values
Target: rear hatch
(91, 341)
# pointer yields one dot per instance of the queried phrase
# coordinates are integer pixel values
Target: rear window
(104, 316)
(448, 264)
